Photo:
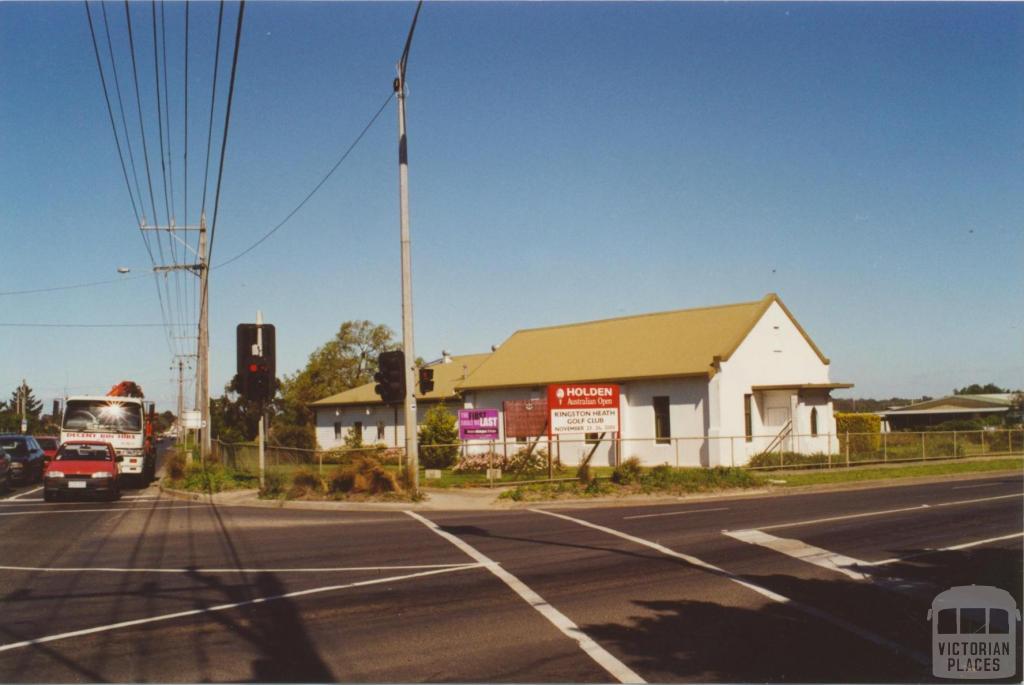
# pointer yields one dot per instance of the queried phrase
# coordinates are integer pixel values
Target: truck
(123, 418)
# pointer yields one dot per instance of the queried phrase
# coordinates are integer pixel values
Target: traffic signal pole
(259, 353)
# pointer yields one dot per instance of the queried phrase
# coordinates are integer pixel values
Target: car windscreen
(16, 447)
(84, 453)
(48, 443)
(102, 415)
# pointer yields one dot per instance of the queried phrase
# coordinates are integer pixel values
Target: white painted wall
(369, 415)
(773, 353)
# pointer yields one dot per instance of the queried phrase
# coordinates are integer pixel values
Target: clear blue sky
(568, 162)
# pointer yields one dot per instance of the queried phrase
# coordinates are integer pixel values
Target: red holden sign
(583, 408)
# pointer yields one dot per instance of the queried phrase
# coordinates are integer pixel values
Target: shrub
(870, 424)
(627, 472)
(174, 466)
(305, 482)
(273, 483)
(438, 438)
(525, 461)
(583, 473)
(478, 463)
(208, 477)
(362, 476)
(792, 459)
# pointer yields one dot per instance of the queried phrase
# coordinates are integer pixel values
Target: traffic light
(426, 380)
(391, 376)
(256, 363)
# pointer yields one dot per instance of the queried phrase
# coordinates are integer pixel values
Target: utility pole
(200, 269)
(22, 401)
(181, 398)
(411, 447)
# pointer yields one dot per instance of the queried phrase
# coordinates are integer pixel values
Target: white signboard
(583, 409)
(192, 419)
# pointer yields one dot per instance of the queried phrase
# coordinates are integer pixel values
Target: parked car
(50, 444)
(27, 459)
(87, 468)
(5, 470)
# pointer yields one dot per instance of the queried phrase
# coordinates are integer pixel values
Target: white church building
(698, 387)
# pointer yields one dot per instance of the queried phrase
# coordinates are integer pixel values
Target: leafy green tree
(347, 360)
(975, 389)
(438, 438)
(10, 416)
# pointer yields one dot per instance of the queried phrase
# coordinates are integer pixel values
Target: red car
(84, 467)
(50, 445)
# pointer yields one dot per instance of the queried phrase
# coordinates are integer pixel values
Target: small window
(380, 430)
(337, 430)
(972, 621)
(662, 425)
(814, 421)
(748, 419)
(947, 622)
(592, 438)
(998, 622)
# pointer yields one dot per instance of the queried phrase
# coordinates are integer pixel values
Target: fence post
(982, 441)
(847, 449)
(320, 462)
(923, 457)
(676, 441)
(954, 444)
(885, 447)
(732, 450)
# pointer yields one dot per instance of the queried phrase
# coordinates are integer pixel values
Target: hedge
(867, 427)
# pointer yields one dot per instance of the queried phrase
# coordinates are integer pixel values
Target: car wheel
(49, 496)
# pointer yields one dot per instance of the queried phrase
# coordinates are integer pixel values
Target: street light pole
(411, 447)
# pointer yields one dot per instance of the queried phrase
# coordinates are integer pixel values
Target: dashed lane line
(223, 607)
(675, 513)
(599, 654)
(329, 569)
(841, 623)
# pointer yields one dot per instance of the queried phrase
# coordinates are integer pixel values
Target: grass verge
(660, 480)
(947, 468)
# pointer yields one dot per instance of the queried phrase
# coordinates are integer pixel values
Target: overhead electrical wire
(85, 325)
(56, 288)
(317, 187)
(213, 99)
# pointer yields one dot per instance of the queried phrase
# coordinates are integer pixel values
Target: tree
(975, 389)
(438, 438)
(346, 361)
(10, 414)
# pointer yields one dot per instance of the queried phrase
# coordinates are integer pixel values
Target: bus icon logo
(974, 633)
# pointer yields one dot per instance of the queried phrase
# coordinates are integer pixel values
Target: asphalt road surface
(830, 586)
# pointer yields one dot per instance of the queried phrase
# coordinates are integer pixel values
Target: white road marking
(951, 548)
(41, 512)
(980, 485)
(221, 607)
(828, 519)
(606, 660)
(676, 513)
(774, 596)
(139, 497)
(1019, 496)
(802, 551)
(845, 517)
(333, 569)
(27, 492)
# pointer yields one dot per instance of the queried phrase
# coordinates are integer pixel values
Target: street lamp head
(123, 269)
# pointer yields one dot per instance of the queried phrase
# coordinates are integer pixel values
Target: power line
(71, 287)
(87, 325)
(213, 99)
(311, 193)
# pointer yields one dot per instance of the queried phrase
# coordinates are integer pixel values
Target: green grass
(889, 472)
(660, 480)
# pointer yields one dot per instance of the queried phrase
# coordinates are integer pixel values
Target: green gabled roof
(963, 402)
(446, 377)
(686, 342)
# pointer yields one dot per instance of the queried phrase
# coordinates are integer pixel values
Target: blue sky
(568, 162)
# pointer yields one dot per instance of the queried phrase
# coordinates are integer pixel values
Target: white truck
(122, 418)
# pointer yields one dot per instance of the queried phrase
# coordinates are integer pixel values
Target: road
(827, 586)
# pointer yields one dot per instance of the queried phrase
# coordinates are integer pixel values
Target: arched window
(814, 420)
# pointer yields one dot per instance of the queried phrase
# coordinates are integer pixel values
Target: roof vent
(494, 348)
(446, 357)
